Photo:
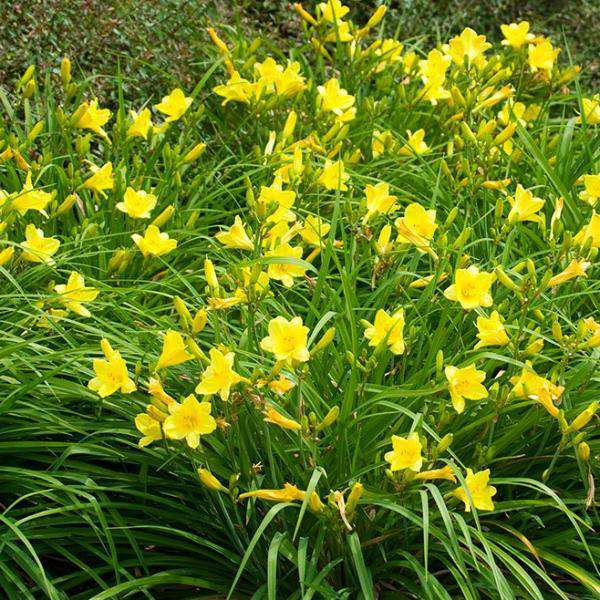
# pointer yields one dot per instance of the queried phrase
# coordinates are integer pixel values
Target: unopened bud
(210, 481)
(329, 418)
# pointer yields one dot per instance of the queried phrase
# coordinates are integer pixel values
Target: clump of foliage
(323, 324)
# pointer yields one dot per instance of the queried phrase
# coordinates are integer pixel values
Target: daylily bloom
(138, 205)
(593, 328)
(406, 453)
(285, 271)
(156, 390)
(284, 199)
(235, 236)
(591, 194)
(287, 340)
(576, 268)
(74, 294)
(6, 255)
(471, 288)
(102, 179)
(516, 34)
(31, 199)
(388, 328)
(332, 10)
(141, 124)
(491, 331)
(380, 142)
(465, 383)
(111, 373)
(173, 351)
(291, 82)
(333, 176)
(154, 243)
(237, 89)
(89, 116)
(37, 248)
(174, 105)
(433, 74)
(479, 489)
(275, 417)
(149, 428)
(415, 143)
(379, 200)
(289, 493)
(189, 420)
(590, 231)
(314, 230)
(219, 377)
(541, 56)
(524, 206)
(591, 110)
(531, 385)
(468, 47)
(417, 226)
(334, 98)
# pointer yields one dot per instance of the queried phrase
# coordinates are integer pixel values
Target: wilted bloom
(491, 331)
(541, 56)
(379, 200)
(465, 383)
(237, 89)
(154, 243)
(173, 351)
(111, 374)
(471, 288)
(516, 34)
(446, 472)
(333, 176)
(281, 385)
(524, 206)
(174, 105)
(75, 294)
(415, 143)
(287, 340)
(275, 417)
(417, 226)
(102, 179)
(333, 98)
(406, 453)
(389, 329)
(468, 47)
(576, 268)
(189, 420)
(137, 204)
(89, 116)
(591, 194)
(289, 493)
(219, 377)
(285, 271)
(31, 199)
(37, 248)
(149, 428)
(141, 123)
(479, 489)
(235, 236)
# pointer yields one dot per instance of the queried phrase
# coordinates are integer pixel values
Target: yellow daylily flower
(491, 331)
(479, 489)
(524, 206)
(237, 89)
(75, 293)
(284, 199)
(446, 472)
(471, 288)
(406, 453)
(6, 255)
(415, 143)
(289, 493)
(389, 329)
(219, 377)
(102, 179)
(379, 200)
(464, 383)
(156, 390)
(334, 98)
(468, 47)
(189, 420)
(593, 328)
(291, 82)
(576, 268)
(591, 194)
(285, 271)
(149, 428)
(137, 204)
(174, 105)
(235, 236)
(31, 199)
(381, 141)
(591, 110)
(531, 385)
(314, 230)
(111, 373)
(37, 248)
(516, 34)
(173, 351)
(281, 385)
(541, 56)
(89, 116)
(433, 74)
(332, 10)
(333, 176)
(141, 124)
(275, 417)
(154, 243)
(287, 340)
(417, 226)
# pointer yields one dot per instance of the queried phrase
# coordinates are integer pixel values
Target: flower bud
(583, 418)
(65, 71)
(325, 340)
(329, 418)
(210, 481)
(194, 153)
(210, 274)
(583, 450)
(164, 216)
(353, 498)
(66, 204)
(199, 321)
(182, 311)
(444, 444)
